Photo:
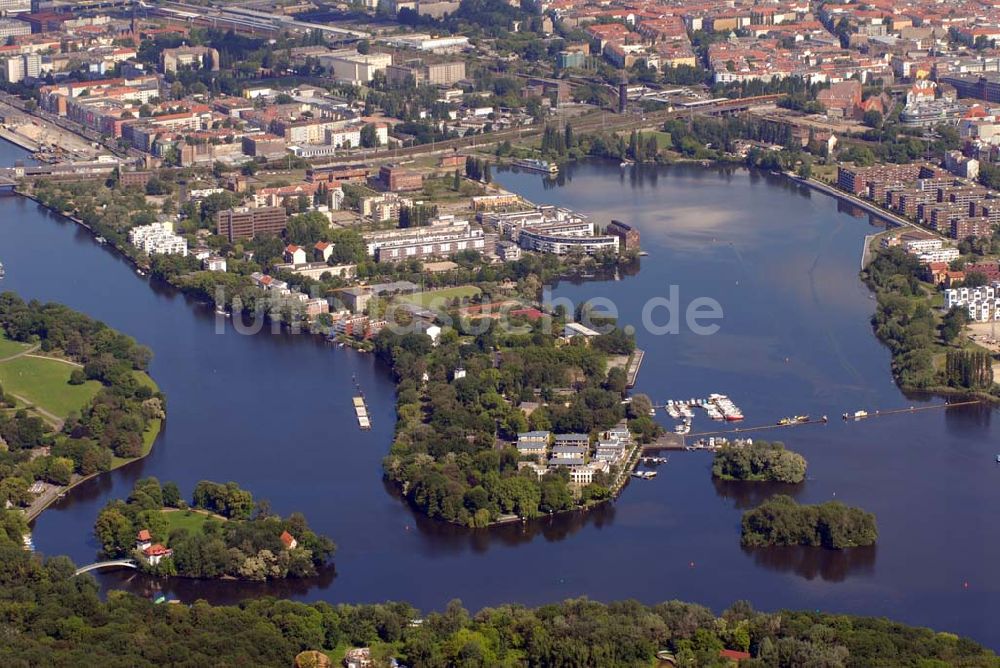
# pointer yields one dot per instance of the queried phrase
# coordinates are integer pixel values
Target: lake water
(273, 413)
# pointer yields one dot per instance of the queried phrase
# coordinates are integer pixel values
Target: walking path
(56, 421)
(26, 351)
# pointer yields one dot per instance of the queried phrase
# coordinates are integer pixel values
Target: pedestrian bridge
(114, 563)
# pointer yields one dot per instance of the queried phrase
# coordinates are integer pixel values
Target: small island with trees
(223, 534)
(759, 461)
(782, 521)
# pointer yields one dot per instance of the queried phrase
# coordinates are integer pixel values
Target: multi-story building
(433, 74)
(628, 235)
(562, 238)
(190, 57)
(12, 27)
(983, 302)
(355, 68)
(445, 236)
(158, 239)
(15, 6)
(248, 223)
(971, 227)
(396, 179)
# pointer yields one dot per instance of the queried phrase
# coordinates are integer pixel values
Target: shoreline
(156, 426)
(19, 140)
(624, 476)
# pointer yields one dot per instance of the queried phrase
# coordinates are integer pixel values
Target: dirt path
(26, 351)
(53, 419)
(54, 359)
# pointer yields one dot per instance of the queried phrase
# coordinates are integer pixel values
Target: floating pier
(361, 410)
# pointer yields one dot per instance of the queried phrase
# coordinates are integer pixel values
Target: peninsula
(77, 401)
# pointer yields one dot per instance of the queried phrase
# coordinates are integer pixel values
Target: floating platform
(361, 412)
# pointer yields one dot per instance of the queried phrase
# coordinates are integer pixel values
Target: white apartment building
(983, 302)
(158, 239)
(939, 255)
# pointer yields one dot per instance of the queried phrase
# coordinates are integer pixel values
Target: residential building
(155, 553)
(248, 223)
(189, 57)
(442, 238)
(158, 239)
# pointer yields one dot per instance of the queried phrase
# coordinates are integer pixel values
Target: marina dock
(848, 418)
(632, 372)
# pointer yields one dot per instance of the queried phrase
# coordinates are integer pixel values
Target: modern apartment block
(446, 235)
(248, 223)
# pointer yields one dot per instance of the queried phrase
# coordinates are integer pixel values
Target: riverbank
(882, 465)
(53, 494)
(19, 139)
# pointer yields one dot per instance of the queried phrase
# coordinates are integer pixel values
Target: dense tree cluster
(445, 456)
(782, 521)
(904, 321)
(112, 424)
(55, 619)
(759, 461)
(248, 546)
(969, 369)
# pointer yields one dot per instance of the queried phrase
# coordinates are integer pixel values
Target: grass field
(441, 297)
(186, 519)
(45, 383)
(9, 348)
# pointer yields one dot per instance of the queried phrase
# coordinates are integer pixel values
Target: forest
(452, 456)
(111, 425)
(227, 536)
(782, 521)
(52, 618)
(759, 461)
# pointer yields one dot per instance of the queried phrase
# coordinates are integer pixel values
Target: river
(273, 413)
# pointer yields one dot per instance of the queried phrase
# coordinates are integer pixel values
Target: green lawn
(9, 348)
(186, 519)
(663, 139)
(441, 297)
(45, 383)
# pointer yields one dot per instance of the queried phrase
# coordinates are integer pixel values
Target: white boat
(101, 240)
(3, 272)
(538, 165)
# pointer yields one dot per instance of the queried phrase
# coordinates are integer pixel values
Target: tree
(172, 495)
(369, 136)
(953, 323)
(306, 229)
(873, 118)
(456, 183)
(114, 531)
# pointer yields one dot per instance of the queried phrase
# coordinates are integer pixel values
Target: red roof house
(288, 540)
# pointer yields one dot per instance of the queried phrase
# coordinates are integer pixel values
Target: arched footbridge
(114, 563)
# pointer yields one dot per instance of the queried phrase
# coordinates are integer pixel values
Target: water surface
(273, 413)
